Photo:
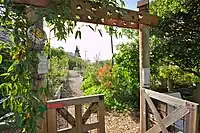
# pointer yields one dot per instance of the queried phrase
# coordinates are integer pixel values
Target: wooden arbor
(85, 11)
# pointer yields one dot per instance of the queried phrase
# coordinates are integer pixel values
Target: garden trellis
(91, 12)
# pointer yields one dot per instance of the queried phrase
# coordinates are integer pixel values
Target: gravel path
(114, 122)
(75, 83)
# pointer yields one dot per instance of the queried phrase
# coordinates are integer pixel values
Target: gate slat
(155, 112)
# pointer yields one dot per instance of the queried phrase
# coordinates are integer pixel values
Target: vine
(18, 61)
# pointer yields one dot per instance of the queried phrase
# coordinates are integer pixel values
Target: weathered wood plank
(39, 3)
(60, 103)
(78, 118)
(167, 99)
(101, 128)
(155, 112)
(51, 121)
(93, 13)
(170, 119)
(91, 109)
(67, 116)
(192, 123)
(86, 127)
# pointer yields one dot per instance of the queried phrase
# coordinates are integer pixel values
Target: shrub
(120, 83)
(58, 72)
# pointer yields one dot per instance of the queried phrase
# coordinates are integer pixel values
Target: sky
(91, 43)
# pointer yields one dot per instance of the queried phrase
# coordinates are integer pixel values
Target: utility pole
(85, 55)
(96, 58)
(111, 40)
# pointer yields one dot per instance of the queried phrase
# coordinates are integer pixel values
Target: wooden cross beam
(90, 12)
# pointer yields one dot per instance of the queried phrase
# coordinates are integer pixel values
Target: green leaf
(1, 59)
(36, 98)
(91, 27)
(76, 35)
(100, 32)
(6, 116)
(10, 68)
(4, 74)
(42, 108)
(18, 120)
(3, 100)
(79, 33)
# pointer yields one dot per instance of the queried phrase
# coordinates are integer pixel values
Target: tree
(177, 36)
(77, 52)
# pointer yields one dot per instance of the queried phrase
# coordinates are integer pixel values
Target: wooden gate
(77, 118)
(182, 108)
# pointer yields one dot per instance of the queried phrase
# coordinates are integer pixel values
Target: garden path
(127, 122)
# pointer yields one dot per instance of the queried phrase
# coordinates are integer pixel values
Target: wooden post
(78, 115)
(192, 119)
(39, 80)
(101, 115)
(144, 64)
(40, 83)
(52, 124)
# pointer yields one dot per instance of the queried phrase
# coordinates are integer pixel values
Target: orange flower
(104, 73)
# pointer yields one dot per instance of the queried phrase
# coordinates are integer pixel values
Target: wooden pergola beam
(90, 12)
(37, 3)
(94, 13)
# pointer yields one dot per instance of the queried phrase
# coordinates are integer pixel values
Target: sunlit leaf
(1, 58)
(4, 99)
(6, 116)
(4, 74)
(10, 68)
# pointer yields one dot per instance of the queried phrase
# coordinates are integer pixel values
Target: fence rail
(78, 117)
(182, 110)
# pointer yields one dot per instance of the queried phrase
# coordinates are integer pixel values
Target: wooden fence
(78, 120)
(182, 110)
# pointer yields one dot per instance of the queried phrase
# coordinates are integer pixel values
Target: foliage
(126, 73)
(57, 52)
(119, 84)
(17, 74)
(90, 77)
(19, 69)
(18, 101)
(76, 62)
(59, 69)
(177, 36)
(180, 77)
(104, 74)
